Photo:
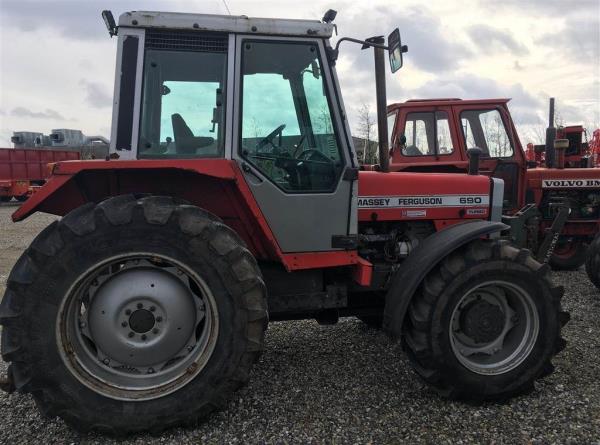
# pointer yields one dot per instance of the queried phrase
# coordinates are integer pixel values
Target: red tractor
(233, 197)
(579, 154)
(437, 136)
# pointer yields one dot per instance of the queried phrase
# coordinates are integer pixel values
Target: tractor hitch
(552, 234)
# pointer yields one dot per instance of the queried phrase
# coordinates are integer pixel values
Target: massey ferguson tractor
(233, 196)
(439, 135)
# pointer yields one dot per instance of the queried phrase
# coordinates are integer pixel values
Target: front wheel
(592, 263)
(486, 323)
(569, 254)
(133, 315)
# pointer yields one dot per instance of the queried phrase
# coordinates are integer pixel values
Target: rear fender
(422, 260)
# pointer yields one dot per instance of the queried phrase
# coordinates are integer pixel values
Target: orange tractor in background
(441, 135)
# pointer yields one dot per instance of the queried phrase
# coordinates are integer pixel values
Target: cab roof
(445, 102)
(225, 23)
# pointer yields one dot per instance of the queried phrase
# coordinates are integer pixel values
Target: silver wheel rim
(494, 327)
(137, 327)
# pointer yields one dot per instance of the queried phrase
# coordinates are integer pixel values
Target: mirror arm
(333, 53)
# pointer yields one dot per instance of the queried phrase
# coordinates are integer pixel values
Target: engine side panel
(415, 196)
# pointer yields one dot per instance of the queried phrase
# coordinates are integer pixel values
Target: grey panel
(302, 223)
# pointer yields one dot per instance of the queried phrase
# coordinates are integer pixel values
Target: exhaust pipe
(474, 155)
(550, 137)
(560, 146)
(382, 129)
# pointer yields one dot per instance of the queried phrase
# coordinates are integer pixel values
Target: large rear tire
(569, 254)
(485, 323)
(592, 263)
(133, 315)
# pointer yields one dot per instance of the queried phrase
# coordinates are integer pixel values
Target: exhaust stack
(550, 137)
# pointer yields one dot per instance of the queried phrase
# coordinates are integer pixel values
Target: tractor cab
(437, 135)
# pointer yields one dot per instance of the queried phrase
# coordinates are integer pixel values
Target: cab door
(291, 143)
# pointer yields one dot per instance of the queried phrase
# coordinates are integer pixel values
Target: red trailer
(22, 168)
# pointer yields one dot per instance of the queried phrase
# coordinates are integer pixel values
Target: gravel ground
(347, 384)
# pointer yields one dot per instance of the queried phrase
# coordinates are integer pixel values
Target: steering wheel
(268, 139)
(311, 154)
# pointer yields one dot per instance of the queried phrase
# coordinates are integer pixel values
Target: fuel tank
(397, 196)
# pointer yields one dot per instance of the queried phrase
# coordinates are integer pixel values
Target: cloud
(579, 39)
(79, 19)
(488, 38)
(469, 86)
(96, 94)
(27, 113)
(431, 48)
(554, 8)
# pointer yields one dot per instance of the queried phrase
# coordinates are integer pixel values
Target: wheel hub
(482, 321)
(141, 321)
(141, 317)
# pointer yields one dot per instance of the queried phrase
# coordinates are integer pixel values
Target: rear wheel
(143, 307)
(485, 324)
(592, 263)
(569, 254)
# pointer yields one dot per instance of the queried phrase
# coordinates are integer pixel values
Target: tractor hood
(568, 178)
(428, 196)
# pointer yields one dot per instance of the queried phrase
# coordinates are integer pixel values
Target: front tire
(133, 315)
(592, 263)
(569, 254)
(486, 323)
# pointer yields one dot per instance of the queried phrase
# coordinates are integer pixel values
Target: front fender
(422, 260)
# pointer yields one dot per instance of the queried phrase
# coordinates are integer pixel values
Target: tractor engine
(584, 204)
(391, 242)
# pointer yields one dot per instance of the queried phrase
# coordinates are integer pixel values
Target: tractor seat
(185, 141)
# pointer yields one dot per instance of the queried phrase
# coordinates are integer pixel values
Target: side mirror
(403, 139)
(395, 50)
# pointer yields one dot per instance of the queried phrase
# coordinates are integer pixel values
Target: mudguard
(422, 260)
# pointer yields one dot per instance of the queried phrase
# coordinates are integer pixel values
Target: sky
(57, 60)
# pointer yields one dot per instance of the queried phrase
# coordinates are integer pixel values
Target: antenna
(226, 7)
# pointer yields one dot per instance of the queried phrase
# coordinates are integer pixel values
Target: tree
(365, 131)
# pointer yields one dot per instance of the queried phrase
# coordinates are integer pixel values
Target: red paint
(22, 168)
(527, 179)
(375, 184)
(216, 185)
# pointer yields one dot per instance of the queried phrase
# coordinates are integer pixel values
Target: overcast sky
(57, 60)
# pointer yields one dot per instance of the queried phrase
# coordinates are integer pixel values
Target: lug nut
(151, 371)
(82, 325)
(130, 335)
(106, 361)
(159, 319)
(128, 312)
(140, 305)
(155, 331)
(144, 337)
(152, 308)
(124, 324)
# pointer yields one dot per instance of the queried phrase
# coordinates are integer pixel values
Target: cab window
(427, 134)
(485, 129)
(183, 97)
(287, 129)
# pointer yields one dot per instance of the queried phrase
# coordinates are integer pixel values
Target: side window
(485, 129)
(391, 120)
(183, 98)
(287, 130)
(427, 134)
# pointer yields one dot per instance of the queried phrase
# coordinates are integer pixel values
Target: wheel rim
(565, 248)
(494, 327)
(137, 327)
